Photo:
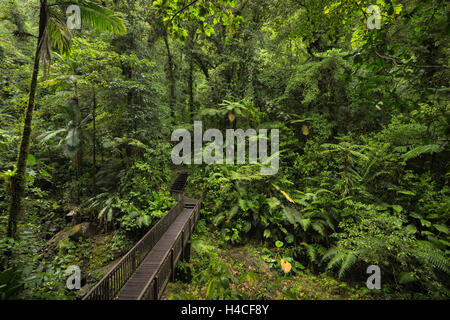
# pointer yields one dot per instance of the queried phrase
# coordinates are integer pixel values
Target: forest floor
(246, 272)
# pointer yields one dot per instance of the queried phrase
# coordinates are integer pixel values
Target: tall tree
(52, 31)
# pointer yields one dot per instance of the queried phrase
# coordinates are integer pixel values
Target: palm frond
(100, 18)
(49, 135)
(59, 35)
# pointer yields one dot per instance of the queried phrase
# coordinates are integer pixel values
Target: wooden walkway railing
(155, 285)
(146, 269)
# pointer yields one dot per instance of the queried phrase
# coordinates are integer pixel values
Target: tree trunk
(79, 160)
(191, 88)
(171, 76)
(190, 56)
(18, 179)
(94, 155)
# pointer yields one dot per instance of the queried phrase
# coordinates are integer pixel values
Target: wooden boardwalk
(145, 270)
(149, 267)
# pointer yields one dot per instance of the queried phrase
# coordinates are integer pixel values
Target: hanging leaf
(305, 130)
(231, 117)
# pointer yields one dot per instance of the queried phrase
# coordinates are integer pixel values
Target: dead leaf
(231, 117)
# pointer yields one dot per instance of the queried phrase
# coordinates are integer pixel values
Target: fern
(305, 223)
(319, 228)
(292, 215)
(344, 259)
(418, 151)
(311, 251)
(347, 263)
(427, 252)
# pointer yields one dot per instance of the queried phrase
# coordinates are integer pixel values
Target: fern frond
(319, 228)
(311, 251)
(337, 259)
(349, 261)
(418, 151)
(305, 223)
(429, 253)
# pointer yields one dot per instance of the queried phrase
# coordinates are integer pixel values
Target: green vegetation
(86, 118)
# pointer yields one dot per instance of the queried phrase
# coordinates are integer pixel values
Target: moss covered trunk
(18, 179)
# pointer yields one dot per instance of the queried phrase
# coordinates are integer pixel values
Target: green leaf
(31, 160)
(267, 233)
(397, 208)
(411, 229)
(425, 223)
(279, 244)
(407, 192)
(441, 228)
(289, 238)
(406, 277)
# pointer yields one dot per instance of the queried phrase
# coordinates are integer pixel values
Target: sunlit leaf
(285, 265)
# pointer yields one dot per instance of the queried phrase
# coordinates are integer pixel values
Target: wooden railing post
(172, 262)
(156, 288)
(182, 245)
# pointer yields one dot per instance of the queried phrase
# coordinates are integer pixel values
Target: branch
(411, 65)
(182, 9)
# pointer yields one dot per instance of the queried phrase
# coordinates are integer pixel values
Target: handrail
(108, 287)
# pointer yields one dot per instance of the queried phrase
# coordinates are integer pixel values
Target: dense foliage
(364, 126)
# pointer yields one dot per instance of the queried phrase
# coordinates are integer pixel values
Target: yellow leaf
(231, 117)
(327, 10)
(285, 265)
(284, 194)
(305, 130)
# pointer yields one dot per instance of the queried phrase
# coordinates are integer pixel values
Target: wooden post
(156, 288)
(172, 262)
(182, 245)
(187, 251)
